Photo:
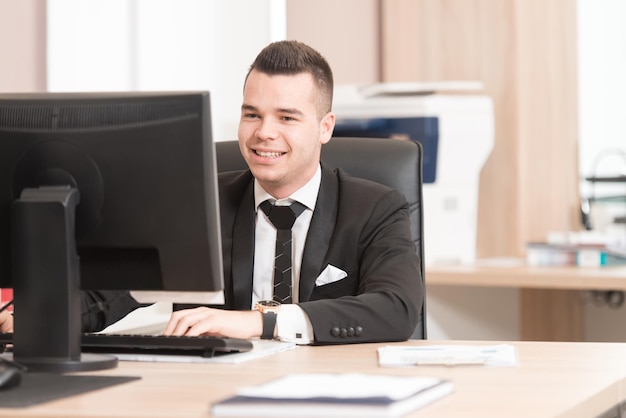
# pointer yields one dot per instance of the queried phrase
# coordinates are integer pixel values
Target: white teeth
(268, 154)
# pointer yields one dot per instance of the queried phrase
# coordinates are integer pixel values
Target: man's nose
(267, 129)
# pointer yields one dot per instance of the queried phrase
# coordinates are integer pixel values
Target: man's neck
(307, 194)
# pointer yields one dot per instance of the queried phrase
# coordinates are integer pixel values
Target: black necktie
(283, 218)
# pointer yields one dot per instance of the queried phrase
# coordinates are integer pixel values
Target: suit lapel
(320, 233)
(243, 251)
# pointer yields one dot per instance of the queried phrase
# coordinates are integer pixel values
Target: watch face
(269, 303)
(267, 306)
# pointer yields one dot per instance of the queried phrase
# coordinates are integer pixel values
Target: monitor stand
(46, 284)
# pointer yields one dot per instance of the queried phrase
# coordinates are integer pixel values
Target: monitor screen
(143, 164)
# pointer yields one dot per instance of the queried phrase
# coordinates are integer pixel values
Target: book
(598, 258)
(543, 254)
(582, 255)
(334, 395)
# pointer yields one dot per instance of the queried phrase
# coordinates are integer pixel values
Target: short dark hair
(293, 57)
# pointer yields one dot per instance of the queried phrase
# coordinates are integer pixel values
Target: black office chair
(394, 163)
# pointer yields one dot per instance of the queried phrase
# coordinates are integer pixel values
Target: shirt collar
(307, 194)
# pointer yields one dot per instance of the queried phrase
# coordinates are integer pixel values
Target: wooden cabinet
(524, 51)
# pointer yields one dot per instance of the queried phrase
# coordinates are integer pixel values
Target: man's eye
(250, 115)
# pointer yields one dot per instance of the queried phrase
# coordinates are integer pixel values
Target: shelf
(609, 179)
(608, 199)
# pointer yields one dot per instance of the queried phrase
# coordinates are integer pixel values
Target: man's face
(281, 131)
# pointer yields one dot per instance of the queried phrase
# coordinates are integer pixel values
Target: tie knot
(282, 217)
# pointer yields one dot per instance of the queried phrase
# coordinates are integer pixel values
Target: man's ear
(327, 125)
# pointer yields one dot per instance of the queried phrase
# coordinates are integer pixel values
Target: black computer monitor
(104, 191)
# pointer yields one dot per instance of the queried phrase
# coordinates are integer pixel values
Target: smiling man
(353, 274)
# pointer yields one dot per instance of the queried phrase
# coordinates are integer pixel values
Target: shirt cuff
(293, 325)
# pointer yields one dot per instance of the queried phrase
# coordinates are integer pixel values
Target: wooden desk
(550, 299)
(552, 380)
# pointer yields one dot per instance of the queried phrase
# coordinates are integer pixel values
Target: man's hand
(215, 322)
(6, 322)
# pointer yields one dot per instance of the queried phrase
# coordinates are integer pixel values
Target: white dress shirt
(292, 323)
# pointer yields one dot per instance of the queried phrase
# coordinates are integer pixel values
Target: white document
(499, 355)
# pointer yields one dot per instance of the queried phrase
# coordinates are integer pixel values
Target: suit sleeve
(373, 244)
(102, 308)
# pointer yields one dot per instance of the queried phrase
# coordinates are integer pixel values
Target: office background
(552, 67)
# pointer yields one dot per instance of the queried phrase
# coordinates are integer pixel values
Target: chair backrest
(394, 163)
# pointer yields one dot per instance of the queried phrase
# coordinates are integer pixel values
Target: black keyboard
(156, 344)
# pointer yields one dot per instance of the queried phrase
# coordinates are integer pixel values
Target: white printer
(455, 125)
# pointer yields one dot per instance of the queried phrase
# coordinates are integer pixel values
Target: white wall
(602, 89)
(113, 45)
(602, 127)
(602, 85)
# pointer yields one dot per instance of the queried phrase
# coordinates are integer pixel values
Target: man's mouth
(268, 154)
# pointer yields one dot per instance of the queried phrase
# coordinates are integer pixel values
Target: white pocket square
(330, 274)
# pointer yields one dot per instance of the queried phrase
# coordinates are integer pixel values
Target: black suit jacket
(358, 226)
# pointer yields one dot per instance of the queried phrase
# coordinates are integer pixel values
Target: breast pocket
(347, 286)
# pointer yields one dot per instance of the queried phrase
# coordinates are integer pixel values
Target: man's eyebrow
(290, 111)
(284, 110)
(248, 107)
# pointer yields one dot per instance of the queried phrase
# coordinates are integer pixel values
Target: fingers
(215, 322)
(6, 322)
(190, 322)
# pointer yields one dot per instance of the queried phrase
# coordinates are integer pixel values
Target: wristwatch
(269, 309)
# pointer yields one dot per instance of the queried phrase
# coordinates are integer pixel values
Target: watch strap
(269, 323)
